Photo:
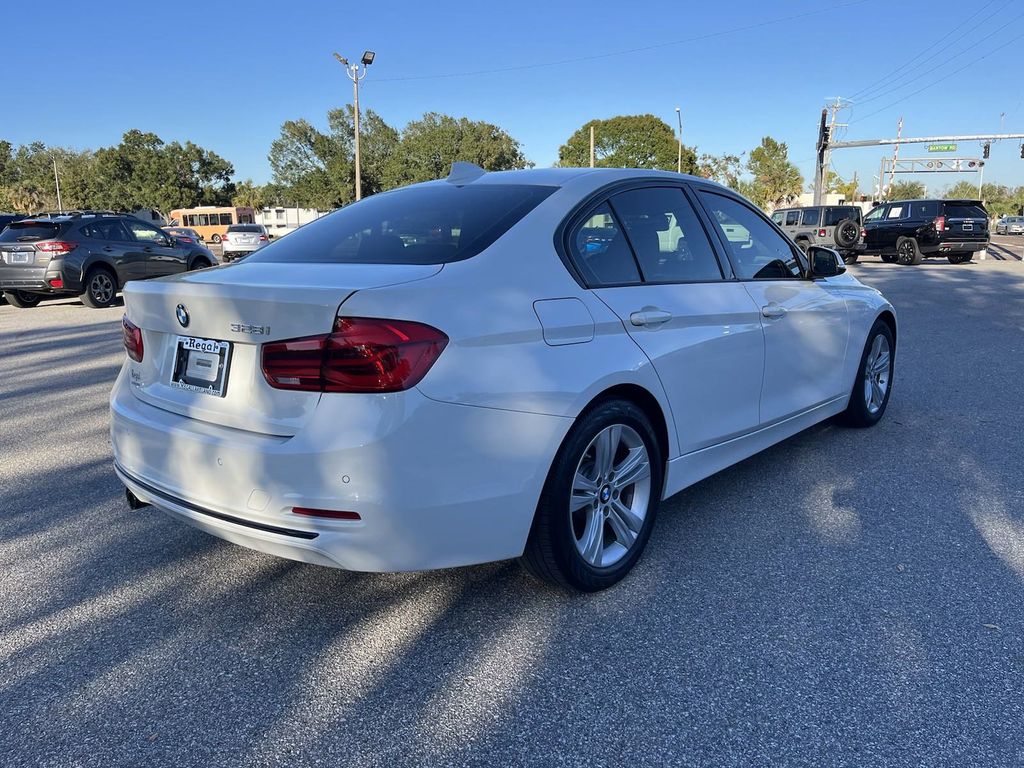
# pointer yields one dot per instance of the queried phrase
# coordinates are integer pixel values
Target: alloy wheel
(877, 370)
(101, 288)
(906, 251)
(611, 493)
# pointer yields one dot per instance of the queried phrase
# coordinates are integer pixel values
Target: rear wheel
(100, 288)
(599, 502)
(22, 299)
(803, 244)
(851, 258)
(907, 252)
(960, 258)
(871, 388)
(215, 238)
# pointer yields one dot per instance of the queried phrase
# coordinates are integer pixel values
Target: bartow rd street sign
(942, 147)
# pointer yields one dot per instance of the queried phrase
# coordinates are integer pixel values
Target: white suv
(243, 239)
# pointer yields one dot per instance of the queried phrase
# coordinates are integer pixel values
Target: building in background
(280, 221)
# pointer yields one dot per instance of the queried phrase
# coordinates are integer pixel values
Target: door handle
(108, 249)
(650, 316)
(148, 249)
(773, 311)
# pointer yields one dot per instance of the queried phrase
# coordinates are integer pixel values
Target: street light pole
(354, 74)
(56, 180)
(679, 161)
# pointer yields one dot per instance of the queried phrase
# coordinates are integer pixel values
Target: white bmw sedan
(494, 365)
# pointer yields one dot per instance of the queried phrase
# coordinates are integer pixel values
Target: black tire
(100, 288)
(846, 233)
(960, 258)
(907, 252)
(552, 552)
(859, 412)
(888, 258)
(851, 258)
(22, 299)
(803, 244)
(215, 238)
(201, 263)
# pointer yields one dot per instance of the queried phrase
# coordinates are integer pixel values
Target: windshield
(29, 231)
(428, 224)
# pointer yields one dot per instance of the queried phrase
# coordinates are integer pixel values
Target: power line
(907, 64)
(887, 92)
(626, 51)
(942, 79)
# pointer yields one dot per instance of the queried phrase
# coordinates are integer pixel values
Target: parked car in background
(185, 234)
(91, 255)
(243, 239)
(907, 231)
(496, 365)
(1010, 225)
(833, 226)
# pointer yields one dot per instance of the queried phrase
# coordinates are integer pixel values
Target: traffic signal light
(1022, 151)
(826, 134)
(986, 147)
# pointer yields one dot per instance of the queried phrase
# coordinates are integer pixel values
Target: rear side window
(834, 215)
(255, 228)
(429, 224)
(600, 250)
(29, 231)
(924, 209)
(811, 217)
(106, 230)
(961, 211)
(666, 235)
(777, 217)
(792, 218)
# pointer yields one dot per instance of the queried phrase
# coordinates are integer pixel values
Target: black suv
(88, 254)
(909, 230)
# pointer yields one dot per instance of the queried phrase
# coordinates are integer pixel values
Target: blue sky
(226, 75)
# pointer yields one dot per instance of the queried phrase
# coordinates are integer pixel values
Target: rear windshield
(245, 228)
(834, 215)
(29, 231)
(960, 211)
(429, 224)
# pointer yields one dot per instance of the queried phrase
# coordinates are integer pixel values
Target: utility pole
(679, 162)
(896, 151)
(591, 146)
(822, 150)
(56, 181)
(352, 70)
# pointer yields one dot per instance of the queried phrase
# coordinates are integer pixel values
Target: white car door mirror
(825, 262)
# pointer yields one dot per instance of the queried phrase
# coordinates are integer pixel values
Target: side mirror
(825, 262)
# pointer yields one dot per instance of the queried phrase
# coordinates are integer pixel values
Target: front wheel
(873, 385)
(599, 502)
(22, 299)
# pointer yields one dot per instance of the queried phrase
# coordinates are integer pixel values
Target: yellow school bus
(211, 221)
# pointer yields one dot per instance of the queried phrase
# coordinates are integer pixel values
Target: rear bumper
(959, 246)
(435, 484)
(230, 248)
(35, 278)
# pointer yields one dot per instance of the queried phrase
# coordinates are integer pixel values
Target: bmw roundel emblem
(182, 314)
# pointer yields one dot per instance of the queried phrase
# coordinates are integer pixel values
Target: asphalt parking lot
(845, 598)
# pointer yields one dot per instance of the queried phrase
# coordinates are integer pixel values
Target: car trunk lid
(966, 220)
(237, 309)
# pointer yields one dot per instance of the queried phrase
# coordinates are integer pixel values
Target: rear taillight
(56, 247)
(822, 233)
(363, 354)
(863, 233)
(940, 224)
(132, 340)
(263, 238)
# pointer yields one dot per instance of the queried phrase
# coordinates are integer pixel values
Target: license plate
(201, 365)
(18, 257)
(968, 227)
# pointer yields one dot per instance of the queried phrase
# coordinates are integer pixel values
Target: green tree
(962, 190)
(428, 147)
(248, 195)
(627, 141)
(776, 180)
(906, 190)
(311, 165)
(725, 169)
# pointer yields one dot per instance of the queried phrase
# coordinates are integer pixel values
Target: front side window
(667, 237)
(600, 250)
(875, 214)
(811, 217)
(145, 233)
(792, 218)
(424, 224)
(757, 251)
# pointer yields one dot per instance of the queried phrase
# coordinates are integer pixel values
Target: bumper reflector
(333, 514)
(56, 282)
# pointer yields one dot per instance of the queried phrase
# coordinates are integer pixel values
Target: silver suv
(243, 239)
(834, 226)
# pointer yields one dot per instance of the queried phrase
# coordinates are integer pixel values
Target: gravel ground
(846, 598)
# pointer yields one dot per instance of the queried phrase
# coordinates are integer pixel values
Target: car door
(648, 257)
(806, 323)
(111, 242)
(156, 249)
(873, 229)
